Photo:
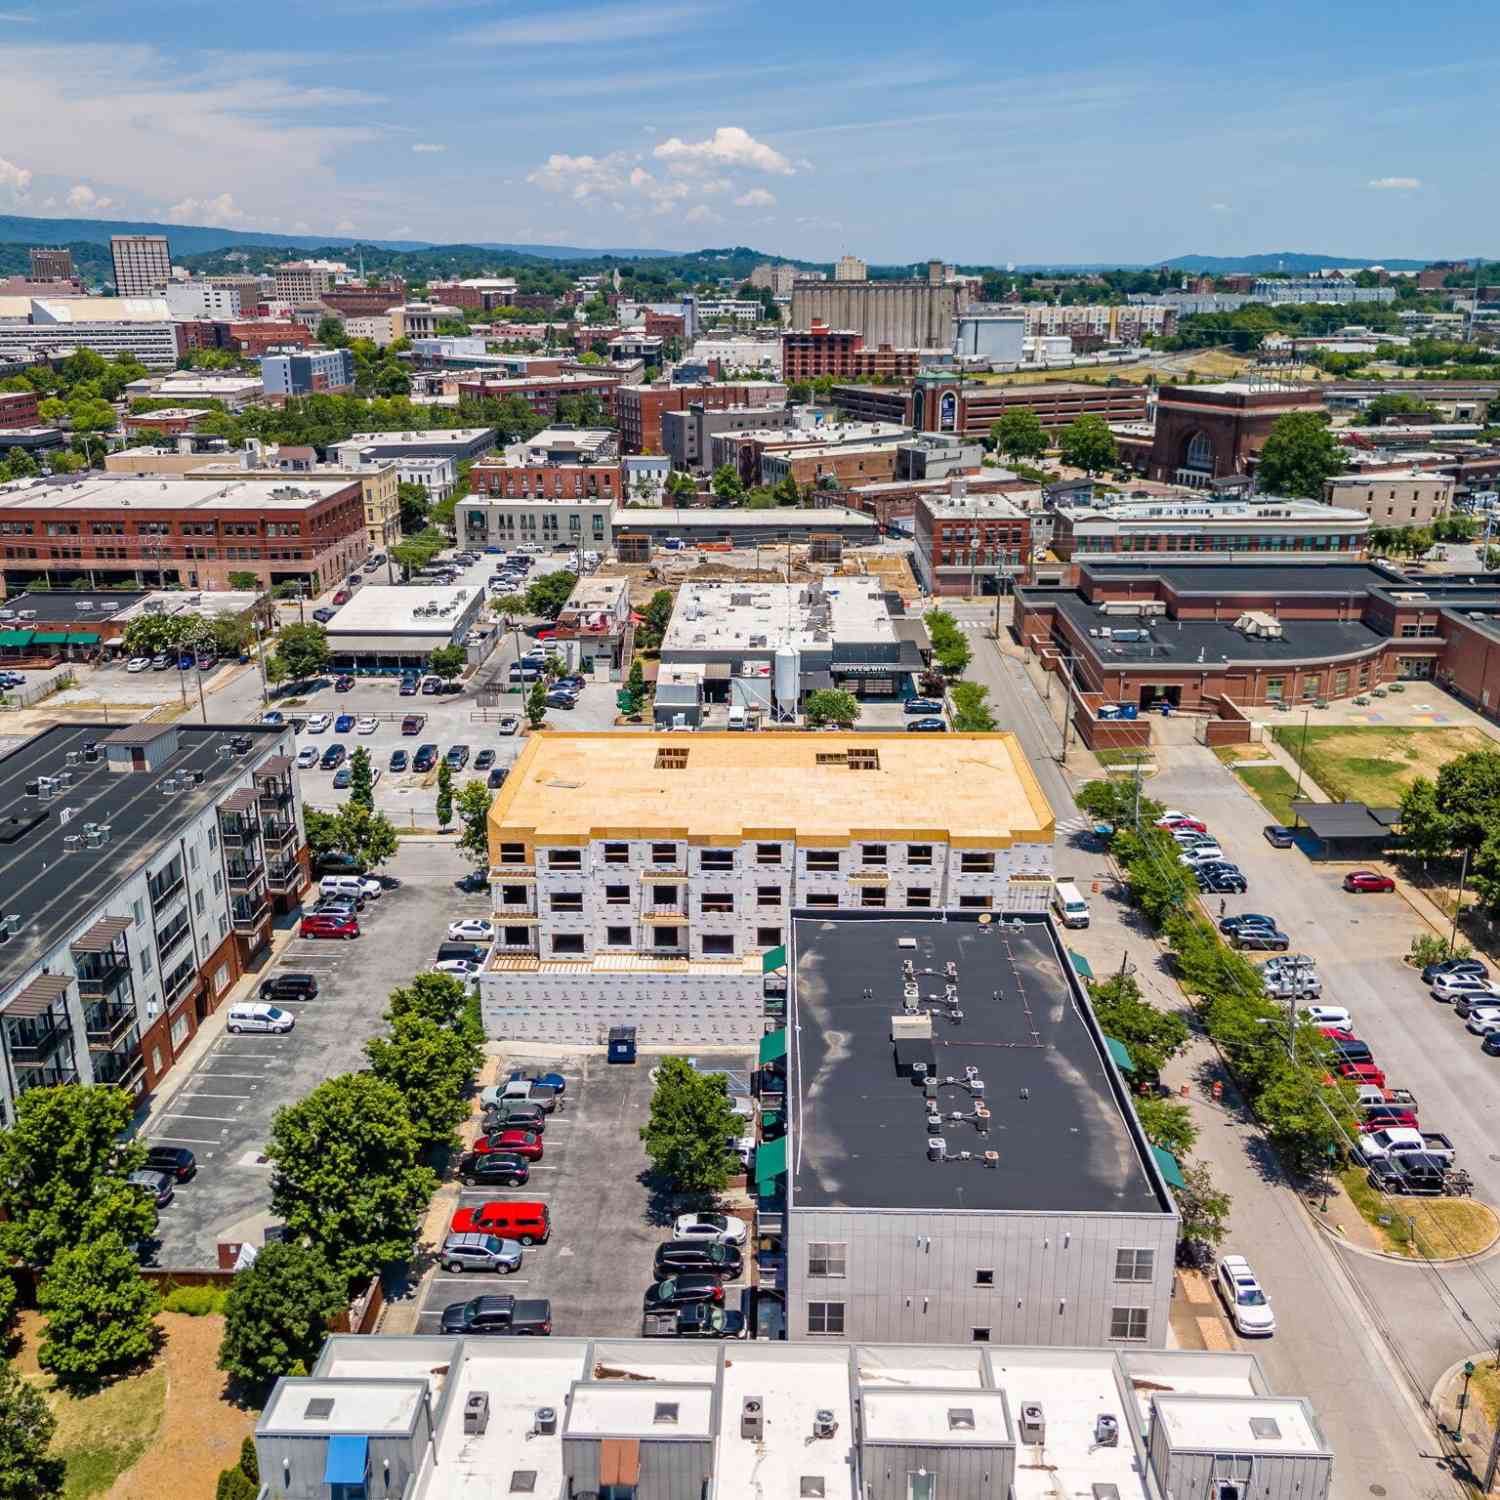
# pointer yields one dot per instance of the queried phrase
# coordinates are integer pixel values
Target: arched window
(1200, 453)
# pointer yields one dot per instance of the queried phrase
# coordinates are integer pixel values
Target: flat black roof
(1348, 820)
(59, 606)
(55, 891)
(859, 1127)
(1186, 643)
(1267, 577)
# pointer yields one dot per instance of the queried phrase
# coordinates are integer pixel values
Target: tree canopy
(549, 593)
(431, 1066)
(831, 706)
(1300, 454)
(28, 1471)
(691, 1124)
(302, 650)
(1087, 443)
(950, 647)
(1019, 434)
(99, 1312)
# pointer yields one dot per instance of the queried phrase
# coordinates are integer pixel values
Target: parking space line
(194, 1140)
(506, 1280)
(217, 1076)
(177, 1114)
(205, 1094)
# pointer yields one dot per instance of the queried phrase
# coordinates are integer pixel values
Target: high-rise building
(143, 264)
(851, 268)
(52, 265)
(907, 314)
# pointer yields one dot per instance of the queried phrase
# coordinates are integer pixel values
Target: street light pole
(1458, 908)
(1306, 716)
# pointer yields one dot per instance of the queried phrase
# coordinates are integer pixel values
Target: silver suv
(481, 1252)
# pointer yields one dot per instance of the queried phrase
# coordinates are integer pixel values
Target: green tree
(786, 491)
(1153, 1037)
(361, 780)
(415, 506)
(512, 606)
(277, 1312)
(63, 1171)
(635, 687)
(302, 650)
(322, 830)
(474, 799)
(346, 1175)
(366, 837)
(691, 1124)
(536, 704)
(28, 1471)
(152, 633)
(655, 618)
(1087, 443)
(99, 1312)
(448, 662)
(245, 582)
(728, 485)
(1203, 1207)
(431, 1066)
(1398, 408)
(1299, 457)
(249, 1459)
(831, 706)
(1118, 801)
(439, 998)
(971, 710)
(444, 794)
(331, 333)
(1168, 1123)
(950, 647)
(1019, 434)
(549, 593)
(680, 488)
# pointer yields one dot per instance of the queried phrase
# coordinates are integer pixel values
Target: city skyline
(617, 124)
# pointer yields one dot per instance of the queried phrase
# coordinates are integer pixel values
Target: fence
(34, 691)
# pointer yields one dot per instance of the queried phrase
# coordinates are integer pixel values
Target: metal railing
(105, 1023)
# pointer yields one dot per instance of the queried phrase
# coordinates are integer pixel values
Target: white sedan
(457, 968)
(712, 1228)
(367, 725)
(307, 756)
(318, 723)
(138, 664)
(471, 929)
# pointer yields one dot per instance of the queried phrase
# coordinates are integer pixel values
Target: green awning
(773, 1046)
(770, 1163)
(84, 638)
(1169, 1167)
(1121, 1054)
(51, 638)
(1080, 965)
(14, 637)
(773, 959)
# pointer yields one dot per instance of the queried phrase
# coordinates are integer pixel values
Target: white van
(738, 718)
(253, 1016)
(1067, 901)
(354, 888)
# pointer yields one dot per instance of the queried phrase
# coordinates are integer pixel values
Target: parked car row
(1200, 852)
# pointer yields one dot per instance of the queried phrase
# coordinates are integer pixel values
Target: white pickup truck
(1379, 1145)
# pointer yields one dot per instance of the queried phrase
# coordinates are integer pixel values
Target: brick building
(170, 421)
(688, 436)
(842, 353)
(364, 301)
(968, 543)
(19, 408)
(542, 392)
(263, 335)
(661, 325)
(639, 408)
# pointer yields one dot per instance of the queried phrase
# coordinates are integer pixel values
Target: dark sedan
(922, 706)
(1223, 882)
(493, 1169)
(711, 1259)
(178, 1161)
(1278, 837)
(425, 758)
(926, 726)
(1262, 939)
(1231, 925)
(678, 1291)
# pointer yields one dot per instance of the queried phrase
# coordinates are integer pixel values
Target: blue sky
(1072, 131)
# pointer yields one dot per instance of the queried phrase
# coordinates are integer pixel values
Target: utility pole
(1302, 753)
(1458, 908)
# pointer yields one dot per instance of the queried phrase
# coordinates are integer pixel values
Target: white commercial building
(401, 625)
(375, 326)
(996, 337)
(735, 353)
(202, 300)
(436, 1417)
(437, 476)
(53, 326)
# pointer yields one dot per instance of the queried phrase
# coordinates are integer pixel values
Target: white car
(307, 756)
(370, 886)
(459, 968)
(1248, 1305)
(138, 664)
(1203, 854)
(1462, 986)
(712, 1228)
(1173, 814)
(318, 723)
(1329, 1015)
(1484, 1019)
(367, 725)
(471, 929)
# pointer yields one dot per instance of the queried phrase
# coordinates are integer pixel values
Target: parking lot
(223, 1110)
(597, 1264)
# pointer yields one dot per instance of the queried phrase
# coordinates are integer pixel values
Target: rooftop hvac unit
(72, 843)
(476, 1413)
(824, 1423)
(753, 1419)
(937, 1148)
(1033, 1423)
(546, 1421)
(1106, 1431)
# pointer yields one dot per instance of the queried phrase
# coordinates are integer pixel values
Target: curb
(1420, 1261)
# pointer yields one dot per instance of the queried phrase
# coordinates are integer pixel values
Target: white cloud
(17, 180)
(84, 198)
(564, 28)
(728, 146)
(427, 146)
(756, 198)
(220, 210)
(401, 231)
(700, 213)
(1398, 184)
(815, 221)
(617, 178)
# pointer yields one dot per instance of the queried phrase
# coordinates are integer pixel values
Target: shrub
(235, 1484)
(195, 1301)
(1429, 949)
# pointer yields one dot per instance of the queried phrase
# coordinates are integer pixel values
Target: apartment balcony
(273, 794)
(284, 875)
(105, 1023)
(513, 870)
(36, 1043)
(164, 893)
(122, 1065)
(170, 937)
(674, 871)
(279, 834)
(45, 1077)
(514, 913)
(244, 869)
(664, 915)
(250, 911)
(239, 831)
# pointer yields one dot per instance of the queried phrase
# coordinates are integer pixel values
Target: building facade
(914, 314)
(146, 906)
(639, 408)
(457, 443)
(850, 268)
(312, 372)
(939, 401)
(543, 392)
(143, 264)
(19, 409)
(491, 517)
(51, 265)
(303, 281)
(1402, 497)
(202, 300)
(52, 326)
(969, 543)
(688, 435)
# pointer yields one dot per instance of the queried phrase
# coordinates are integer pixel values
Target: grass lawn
(1484, 1390)
(1126, 758)
(1443, 1227)
(1273, 786)
(1231, 755)
(1375, 764)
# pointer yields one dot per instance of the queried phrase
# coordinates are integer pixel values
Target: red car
(1361, 1073)
(342, 597)
(544, 632)
(1400, 1118)
(517, 1142)
(1190, 825)
(321, 924)
(1368, 880)
(1337, 1034)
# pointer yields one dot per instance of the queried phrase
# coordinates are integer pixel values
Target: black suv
(178, 1161)
(289, 987)
(712, 1259)
(493, 1169)
(425, 758)
(499, 1314)
(678, 1291)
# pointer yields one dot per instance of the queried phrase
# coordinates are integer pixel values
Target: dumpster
(621, 1044)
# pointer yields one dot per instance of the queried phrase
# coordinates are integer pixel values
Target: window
(517, 937)
(823, 900)
(872, 896)
(513, 895)
(919, 856)
(716, 859)
(146, 958)
(672, 759)
(919, 895)
(617, 854)
(1134, 1265)
(221, 979)
(513, 854)
(567, 942)
(827, 1257)
(822, 861)
(767, 937)
(564, 859)
(1275, 689)
(768, 895)
(617, 895)
(1129, 1323)
(975, 903)
(873, 856)
(976, 864)
(981, 1335)
(826, 1317)
(179, 1032)
(716, 901)
(193, 856)
(768, 854)
(664, 854)
(718, 945)
(984, 1278)
(617, 937)
(139, 912)
(664, 895)
(567, 901)
(223, 924)
(218, 882)
(666, 937)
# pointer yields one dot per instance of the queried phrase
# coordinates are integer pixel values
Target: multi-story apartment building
(969, 543)
(144, 869)
(115, 528)
(541, 511)
(1394, 497)
(312, 372)
(673, 863)
(851, 268)
(477, 294)
(1125, 323)
(688, 436)
(542, 392)
(51, 265)
(19, 409)
(303, 281)
(51, 326)
(258, 336)
(807, 353)
(143, 264)
(639, 408)
(364, 301)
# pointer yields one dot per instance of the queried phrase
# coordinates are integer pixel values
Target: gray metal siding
(964, 1473)
(581, 1465)
(910, 1277)
(1273, 1476)
(674, 1470)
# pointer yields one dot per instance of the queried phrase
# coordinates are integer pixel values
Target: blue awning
(346, 1459)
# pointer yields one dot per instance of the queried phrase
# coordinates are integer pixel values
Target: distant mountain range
(1286, 260)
